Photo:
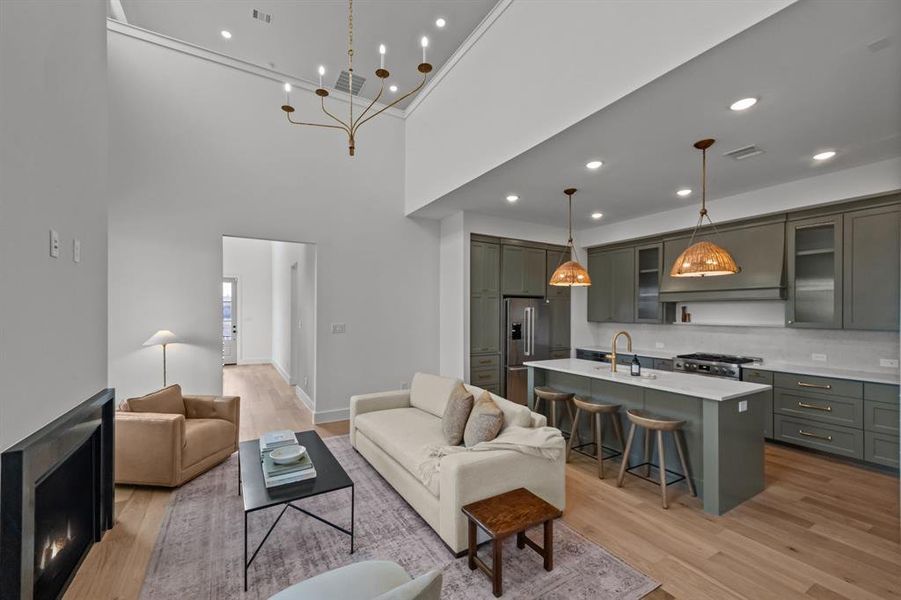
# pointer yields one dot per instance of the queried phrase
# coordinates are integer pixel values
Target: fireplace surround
(56, 499)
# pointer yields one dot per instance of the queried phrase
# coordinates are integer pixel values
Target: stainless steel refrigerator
(527, 338)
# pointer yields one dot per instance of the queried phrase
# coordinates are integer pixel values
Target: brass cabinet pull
(828, 438)
(486, 361)
(814, 406)
(817, 386)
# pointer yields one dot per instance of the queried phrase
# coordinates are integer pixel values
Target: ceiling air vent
(261, 16)
(744, 152)
(344, 77)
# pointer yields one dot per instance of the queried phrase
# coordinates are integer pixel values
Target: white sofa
(391, 429)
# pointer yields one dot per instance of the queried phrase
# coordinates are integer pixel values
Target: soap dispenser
(636, 366)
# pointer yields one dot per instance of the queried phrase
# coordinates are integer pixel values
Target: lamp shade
(704, 259)
(163, 336)
(571, 274)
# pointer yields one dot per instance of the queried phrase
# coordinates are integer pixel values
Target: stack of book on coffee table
(278, 471)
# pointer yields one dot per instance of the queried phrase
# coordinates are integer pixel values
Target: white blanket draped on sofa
(545, 442)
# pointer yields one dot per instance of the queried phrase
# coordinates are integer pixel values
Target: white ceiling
(820, 87)
(306, 33)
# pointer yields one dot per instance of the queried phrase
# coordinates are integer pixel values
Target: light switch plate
(76, 250)
(54, 243)
(338, 327)
(659, 345)
(742, 406)
(404, 385)
(818, 357)
(888, 362)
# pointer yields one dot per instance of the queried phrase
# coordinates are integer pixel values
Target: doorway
(229, 320)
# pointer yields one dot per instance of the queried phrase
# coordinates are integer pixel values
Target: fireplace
(56, 500)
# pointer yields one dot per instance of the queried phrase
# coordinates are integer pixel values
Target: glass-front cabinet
(647, 297)
(814, 250)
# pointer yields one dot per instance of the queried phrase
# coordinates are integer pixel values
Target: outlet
(888, 362)
(339, 328)
(659, 345)
(76, 250)
(818, 357)
(54, 244)
(742, 406)
(306, 382)
(404, 385)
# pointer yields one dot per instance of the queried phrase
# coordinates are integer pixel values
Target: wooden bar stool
(595, 413)
(648, 423)
(554, 397)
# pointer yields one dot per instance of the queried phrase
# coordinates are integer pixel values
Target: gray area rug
(199, 550)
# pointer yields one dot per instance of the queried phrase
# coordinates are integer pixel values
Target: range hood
(758, 249)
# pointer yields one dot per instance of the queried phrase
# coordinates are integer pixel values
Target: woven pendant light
(704, 259)
(570, 273)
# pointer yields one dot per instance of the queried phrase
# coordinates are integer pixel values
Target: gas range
(714, 365)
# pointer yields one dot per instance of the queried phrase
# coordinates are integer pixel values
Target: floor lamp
(162, 338)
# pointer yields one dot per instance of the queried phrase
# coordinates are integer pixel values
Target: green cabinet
(814, 250)
(523, 271)
(611, 296)
(766, 378)
(647, 294)
(871, 268)
(558, 308)
(485, 298)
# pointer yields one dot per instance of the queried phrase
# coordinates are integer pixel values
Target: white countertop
(708, 388)
(888, 377)
(665, 354)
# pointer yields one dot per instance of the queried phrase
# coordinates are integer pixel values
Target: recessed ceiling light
(595, 164)
(226, 34)
(596, 215)
(392, 88)
(824, 155)
(743, 104)
(440, 22)
(512, 198)
(683, 192)
(287, 87)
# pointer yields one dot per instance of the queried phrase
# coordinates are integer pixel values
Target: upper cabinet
(648, 308)
(759, 250)
(523, 270)
(485, 298)
(485, 268)
(611, 296)
(814, 248)
(871, 266)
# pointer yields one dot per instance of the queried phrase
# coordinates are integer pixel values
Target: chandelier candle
(354, 121)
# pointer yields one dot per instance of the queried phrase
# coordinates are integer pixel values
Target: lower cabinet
(835, 439)
(881, 449)
(766, 378)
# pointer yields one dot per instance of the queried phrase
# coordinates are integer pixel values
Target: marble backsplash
(844, 349)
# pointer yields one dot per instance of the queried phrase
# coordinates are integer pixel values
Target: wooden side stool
(596, 413)
(649, 423)
(554, 397)
(500, 517)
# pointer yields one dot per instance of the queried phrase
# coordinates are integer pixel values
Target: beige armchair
(166, 439)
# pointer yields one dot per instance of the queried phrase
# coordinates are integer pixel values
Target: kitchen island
(723, 429)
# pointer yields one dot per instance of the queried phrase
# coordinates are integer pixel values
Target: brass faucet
(615, 339)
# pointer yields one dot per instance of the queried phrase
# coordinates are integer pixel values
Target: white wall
(199, 150)
(299, 369)
(508, 93)
(53, 158)
(250, 261)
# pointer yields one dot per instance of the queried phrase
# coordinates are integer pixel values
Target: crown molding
(459, 53)
(228, 61)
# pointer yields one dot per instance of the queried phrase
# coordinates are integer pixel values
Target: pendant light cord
(703, 212)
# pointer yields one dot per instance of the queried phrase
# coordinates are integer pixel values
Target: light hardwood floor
(822, 529)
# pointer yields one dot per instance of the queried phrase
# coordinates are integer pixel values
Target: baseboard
(330, 416)
(254, 361)
(308, 402)
(281, 371)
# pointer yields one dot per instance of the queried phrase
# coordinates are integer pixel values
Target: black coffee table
(330, 477)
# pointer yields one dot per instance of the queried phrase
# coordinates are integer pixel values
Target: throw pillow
(167, 400)
(456, 413)
(485, 421)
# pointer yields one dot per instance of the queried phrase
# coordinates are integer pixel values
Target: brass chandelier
(704, 259)
(570, 273)
(353, 123)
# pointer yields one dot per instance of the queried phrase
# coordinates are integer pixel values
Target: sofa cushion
(485, 421)
(431, 392)
(167, 400)
(514, 414)
(205, 437)
(403, 434)
(424, 587)
(453, 423)
(364, 579)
